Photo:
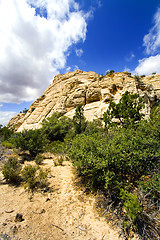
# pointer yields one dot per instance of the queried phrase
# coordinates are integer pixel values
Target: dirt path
(66, 212)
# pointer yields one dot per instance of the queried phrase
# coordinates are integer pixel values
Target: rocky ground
(64, 211)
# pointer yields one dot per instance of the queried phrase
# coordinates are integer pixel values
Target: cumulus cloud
(79, 52)
(5, 117)
(34, 39)
(151, 41)
(149, 65)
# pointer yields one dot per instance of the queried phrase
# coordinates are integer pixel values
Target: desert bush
(56, 147)
(115, 161)
(127, 111)
(29, 176)
(31, 140)
(42, 177)
(79, 120)
(39, 159)
(139, 214)
(87, 155)
(150, 184)
(25, 110)
(124, 163)
(6, 144)
(137, 77)
(128, 73)
(11, 170)
(56, 127)
(6, 133)
(34, 177)
(59, 160)
(110, 72)
(93, 127)
(131, 205)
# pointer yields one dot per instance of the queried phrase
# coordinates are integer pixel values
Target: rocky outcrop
(88, 89)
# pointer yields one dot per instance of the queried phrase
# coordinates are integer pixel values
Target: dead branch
(58, 227)
(9, 211)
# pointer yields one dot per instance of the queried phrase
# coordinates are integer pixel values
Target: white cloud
(129, 58)
(152, 40)
(149, 65)
(127, 69)
(33, 48)
(79, 52)
(76, 67)
(5, 117)
(99, 3)
(68, 69)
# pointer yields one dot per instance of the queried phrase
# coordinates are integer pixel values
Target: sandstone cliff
(88, 89)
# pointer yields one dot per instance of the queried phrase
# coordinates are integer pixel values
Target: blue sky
(39, 39)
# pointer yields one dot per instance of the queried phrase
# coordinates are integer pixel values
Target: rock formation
(89, 89)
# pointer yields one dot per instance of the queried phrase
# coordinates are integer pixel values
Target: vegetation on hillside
(121, 159)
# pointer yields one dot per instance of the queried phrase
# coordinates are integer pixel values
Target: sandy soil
(64, 212)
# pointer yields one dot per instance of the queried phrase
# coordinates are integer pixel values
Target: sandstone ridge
(89, 89)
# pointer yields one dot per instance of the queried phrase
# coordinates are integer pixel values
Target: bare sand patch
(63, 212)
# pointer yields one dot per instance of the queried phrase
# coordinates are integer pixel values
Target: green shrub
(79, 120)
(110, 72)
(117, 159)
(124, 164)
(89, 159)
(56, 127)
(39, 159)
(94, 127)
(59, 160)
(31, 140)
(6, 144)
(25, 110)
(127, 73)
(34, 177)
(131, 205)
(132, 213)
(42, 177)
(6, 133)
(127, 111)
(11, 170)
(29, 176)
(137, 77)
(151, 184)
(56, 147)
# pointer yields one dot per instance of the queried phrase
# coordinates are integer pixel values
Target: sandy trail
(65, 212)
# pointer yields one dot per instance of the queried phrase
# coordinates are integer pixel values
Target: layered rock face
(90, 90)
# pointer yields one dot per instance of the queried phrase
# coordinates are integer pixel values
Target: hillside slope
(88, 89)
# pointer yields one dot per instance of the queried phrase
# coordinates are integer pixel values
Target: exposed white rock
(89, 89)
